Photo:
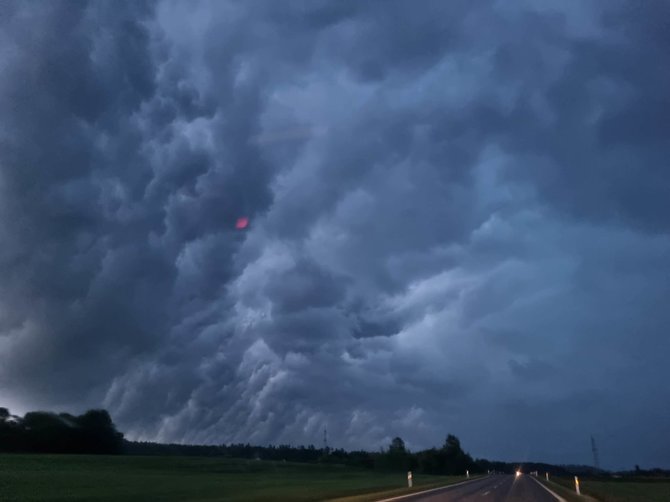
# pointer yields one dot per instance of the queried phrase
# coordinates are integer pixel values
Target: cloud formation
(457, 222)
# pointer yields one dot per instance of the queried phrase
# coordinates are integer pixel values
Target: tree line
(46, 432)
(94, 432)
(449, 459)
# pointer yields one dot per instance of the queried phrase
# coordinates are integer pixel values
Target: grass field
(83, 477)
(621, 490)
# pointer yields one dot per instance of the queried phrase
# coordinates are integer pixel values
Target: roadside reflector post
(546, 475)
(467, 474)
(409, 479)
(577, 486)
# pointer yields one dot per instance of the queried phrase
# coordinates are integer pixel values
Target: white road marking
(554, 494)
(432, 490)
(486, 493)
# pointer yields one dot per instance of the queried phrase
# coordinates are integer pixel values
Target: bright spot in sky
(242, 222)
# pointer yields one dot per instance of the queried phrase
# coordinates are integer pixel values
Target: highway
(495, 488)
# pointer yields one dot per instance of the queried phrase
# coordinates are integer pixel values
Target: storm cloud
(458, 222)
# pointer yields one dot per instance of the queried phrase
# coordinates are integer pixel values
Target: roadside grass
(134, 478)
(617, 490)
(563, 488)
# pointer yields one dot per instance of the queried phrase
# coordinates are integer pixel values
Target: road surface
(495, 488)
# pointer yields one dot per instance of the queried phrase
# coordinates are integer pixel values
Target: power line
(596, 460)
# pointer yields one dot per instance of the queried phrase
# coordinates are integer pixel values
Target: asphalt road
(496, 488)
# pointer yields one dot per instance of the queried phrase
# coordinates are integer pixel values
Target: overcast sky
(459, 222)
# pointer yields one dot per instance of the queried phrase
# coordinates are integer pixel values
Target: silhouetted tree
(397, 445)
(97, 433)
(456, 461)
(41, 431)
(396, 458)
(11, 435)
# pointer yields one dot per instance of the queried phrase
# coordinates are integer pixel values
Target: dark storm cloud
(604, 148)
(57, 102)
(458, 219)
(101, 193)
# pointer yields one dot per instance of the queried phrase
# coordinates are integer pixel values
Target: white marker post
(409, 479)
(467, 474)
(546, 475)
(577, 486)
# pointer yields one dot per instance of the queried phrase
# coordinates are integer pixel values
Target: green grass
(628, 491)
(621, 490)
(83, 477)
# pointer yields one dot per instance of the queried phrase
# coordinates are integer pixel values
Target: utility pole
(596, 460)
(325, 441)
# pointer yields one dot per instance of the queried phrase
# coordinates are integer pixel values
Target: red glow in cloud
(242, 223)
